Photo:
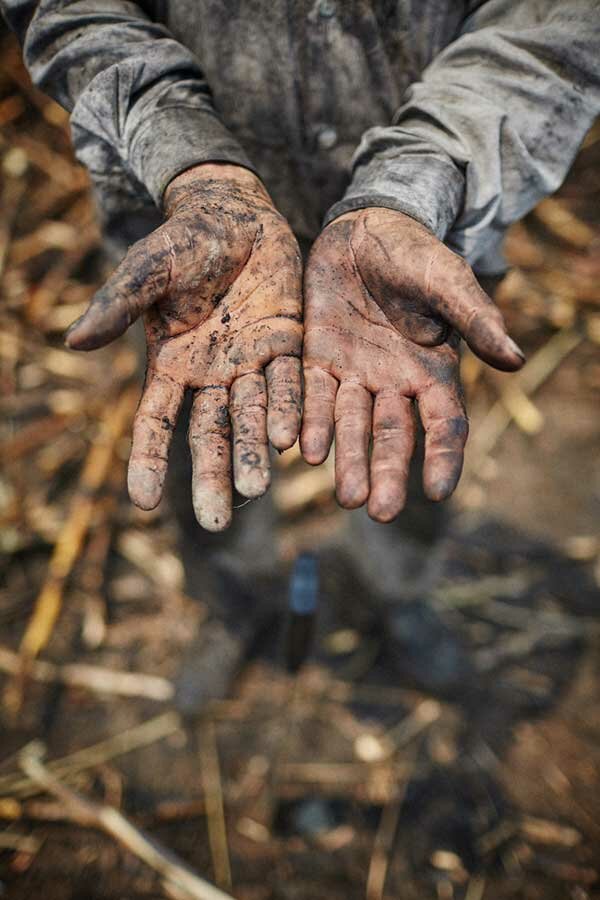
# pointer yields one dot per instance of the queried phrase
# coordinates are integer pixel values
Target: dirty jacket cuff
(177, 138)
(429, 188)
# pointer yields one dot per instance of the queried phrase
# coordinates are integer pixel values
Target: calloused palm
(219, 285)
(385, 302)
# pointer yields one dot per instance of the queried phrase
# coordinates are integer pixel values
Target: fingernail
(69, 333)
(514, 348)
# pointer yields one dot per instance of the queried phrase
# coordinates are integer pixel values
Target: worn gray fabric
(464, 112)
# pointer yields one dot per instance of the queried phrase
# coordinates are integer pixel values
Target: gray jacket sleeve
(125, 81)
(492, 127)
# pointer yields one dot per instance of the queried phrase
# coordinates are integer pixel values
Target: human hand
(385, 303)
(219, 287)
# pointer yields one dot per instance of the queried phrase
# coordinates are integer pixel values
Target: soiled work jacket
(461, 113)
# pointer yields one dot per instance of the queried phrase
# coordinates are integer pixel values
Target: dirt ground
(443, 737)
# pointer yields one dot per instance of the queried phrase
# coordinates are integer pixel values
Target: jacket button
(327, 8)
(327, 138)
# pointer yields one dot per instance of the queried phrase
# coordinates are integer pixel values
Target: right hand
(219, 285)
(386, 302)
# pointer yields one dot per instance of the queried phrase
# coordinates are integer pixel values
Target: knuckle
(460, 265)
(456, 429)
(250, 409)
(388, 425)
(138, 249)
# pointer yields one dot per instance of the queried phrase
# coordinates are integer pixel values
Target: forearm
(493, 125)
(133, 91)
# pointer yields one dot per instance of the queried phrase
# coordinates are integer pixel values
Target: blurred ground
(448, 753)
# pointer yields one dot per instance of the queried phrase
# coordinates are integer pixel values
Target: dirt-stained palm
(219, 287)
(385, 302)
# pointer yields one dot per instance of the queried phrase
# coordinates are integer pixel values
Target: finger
(152, 431)
(284, 389)
(353, 409)
(393, 445)
(320, 389)
(210, 445)
(140, 280)
(464, 305)
(446, 428)
(248, 411)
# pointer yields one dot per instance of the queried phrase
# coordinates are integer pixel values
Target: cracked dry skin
(219, 287)
(385, 303)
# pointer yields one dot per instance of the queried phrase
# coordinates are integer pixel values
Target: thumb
(460, 301)
(138, 282)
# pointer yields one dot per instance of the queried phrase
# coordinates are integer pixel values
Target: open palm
(382, 302)
(219, 285)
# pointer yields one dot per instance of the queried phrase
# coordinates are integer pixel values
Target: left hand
(385, 303)
(219, 285)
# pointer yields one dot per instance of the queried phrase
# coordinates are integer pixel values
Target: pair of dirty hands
(220, 286)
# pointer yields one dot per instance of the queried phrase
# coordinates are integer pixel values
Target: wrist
(211, 172)
(350, 216)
